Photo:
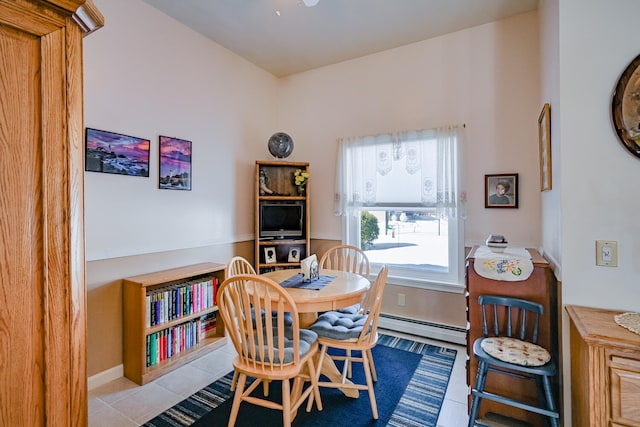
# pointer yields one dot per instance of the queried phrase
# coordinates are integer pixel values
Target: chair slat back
(238, 265)
(511, 317)
(346, 258)
(259, 340)
(371, 306)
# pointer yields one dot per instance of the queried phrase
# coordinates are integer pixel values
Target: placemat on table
(296, 281)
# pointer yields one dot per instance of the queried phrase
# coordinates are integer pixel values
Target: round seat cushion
(512, 350)
(339, 326)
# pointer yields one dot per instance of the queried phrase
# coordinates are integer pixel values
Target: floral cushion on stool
(514, 351)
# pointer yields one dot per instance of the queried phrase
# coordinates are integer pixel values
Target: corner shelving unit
(280, 180)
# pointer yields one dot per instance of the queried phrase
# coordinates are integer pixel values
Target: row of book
(169, 342)
(182, 299)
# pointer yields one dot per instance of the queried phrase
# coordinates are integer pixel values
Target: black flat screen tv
(281, 220)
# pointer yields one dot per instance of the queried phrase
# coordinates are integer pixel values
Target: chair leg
(315, 394)
(234, 381)
(286, 403)
(367, 374)
(237, 398)
(374, 374)
(550, 402)
(481, 378)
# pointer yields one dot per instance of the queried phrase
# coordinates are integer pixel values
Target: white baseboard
(436, 331)
(104, 377)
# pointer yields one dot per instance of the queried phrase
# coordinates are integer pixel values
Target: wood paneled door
(43, 379)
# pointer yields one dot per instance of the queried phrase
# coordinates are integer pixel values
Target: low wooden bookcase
(167, 318)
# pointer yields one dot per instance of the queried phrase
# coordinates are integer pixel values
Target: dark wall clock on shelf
(625, 107)
(280, 145)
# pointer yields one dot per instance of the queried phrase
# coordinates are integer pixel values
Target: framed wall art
(625, 107)
(544, 137)
(501, 190)
(294, 255)
(270, 255)
(112, 152)
(175, 164)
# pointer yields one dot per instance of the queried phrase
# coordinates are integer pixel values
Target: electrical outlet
(402, 300)
(607, 253)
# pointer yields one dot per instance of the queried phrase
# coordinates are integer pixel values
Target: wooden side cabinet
(605, 369)
(170, 319)
(540, 287)
(282, 216)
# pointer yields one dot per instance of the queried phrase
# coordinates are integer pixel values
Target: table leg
(330, 370)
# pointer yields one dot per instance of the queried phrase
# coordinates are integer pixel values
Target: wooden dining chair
(353, 260)
(268, 350)
(238, 265)
(346, 258)
(353, 332)
(509, 346)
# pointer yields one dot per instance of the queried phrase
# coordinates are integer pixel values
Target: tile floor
(122, 403)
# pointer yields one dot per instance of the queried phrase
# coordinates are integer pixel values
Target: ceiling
(302, 38)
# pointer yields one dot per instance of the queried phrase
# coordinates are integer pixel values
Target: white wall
(600, 197)
(597, 42)
(486, 77)
(148, 75)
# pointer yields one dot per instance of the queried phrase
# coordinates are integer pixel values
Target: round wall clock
(280, 145)
(625, 107)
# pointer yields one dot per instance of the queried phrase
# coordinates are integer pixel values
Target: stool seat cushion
(512, 350)
(339, 326)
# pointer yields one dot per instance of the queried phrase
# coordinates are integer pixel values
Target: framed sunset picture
(175, 164)
(111, 152)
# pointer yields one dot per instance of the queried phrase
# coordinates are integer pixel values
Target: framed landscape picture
(175, 164)
(501, 190)
(111, 152)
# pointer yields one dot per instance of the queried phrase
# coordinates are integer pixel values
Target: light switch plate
(607, 253)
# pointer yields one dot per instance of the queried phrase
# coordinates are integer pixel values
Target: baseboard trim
(437, 331)
(101, 378)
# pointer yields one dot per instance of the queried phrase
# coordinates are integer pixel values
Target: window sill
(431, 285)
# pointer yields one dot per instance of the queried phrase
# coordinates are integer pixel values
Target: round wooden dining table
(345, 290)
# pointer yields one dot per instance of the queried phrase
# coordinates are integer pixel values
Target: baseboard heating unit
(436, 331)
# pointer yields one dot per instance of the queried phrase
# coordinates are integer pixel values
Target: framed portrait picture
(111, 152)
(294, 255)
(544, 136)
(270, 255)
(501, 190)
(175, 164)
(625, 107)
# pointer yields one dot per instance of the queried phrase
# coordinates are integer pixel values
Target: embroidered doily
(631, 321)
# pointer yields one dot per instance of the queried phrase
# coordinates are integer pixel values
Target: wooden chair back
(510, 317)
(346, 258)
(371, 306)
(238, 265)
(259, 340)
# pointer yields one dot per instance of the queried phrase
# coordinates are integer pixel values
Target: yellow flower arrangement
(300, 177)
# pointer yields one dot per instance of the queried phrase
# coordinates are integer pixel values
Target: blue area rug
(412, 381)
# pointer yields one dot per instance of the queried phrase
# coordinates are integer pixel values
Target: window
(398, 195)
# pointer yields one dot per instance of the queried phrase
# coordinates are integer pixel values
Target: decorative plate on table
(280, 145)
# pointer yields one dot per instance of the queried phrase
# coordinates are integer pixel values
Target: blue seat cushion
(307, 339)
(339, 326)
(288, 319)
(352, 309)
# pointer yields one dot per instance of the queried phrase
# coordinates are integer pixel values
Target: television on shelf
(281, 220)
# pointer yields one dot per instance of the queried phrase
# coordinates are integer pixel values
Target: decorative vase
(301, 190)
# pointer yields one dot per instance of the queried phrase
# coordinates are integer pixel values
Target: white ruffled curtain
(432, 153)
